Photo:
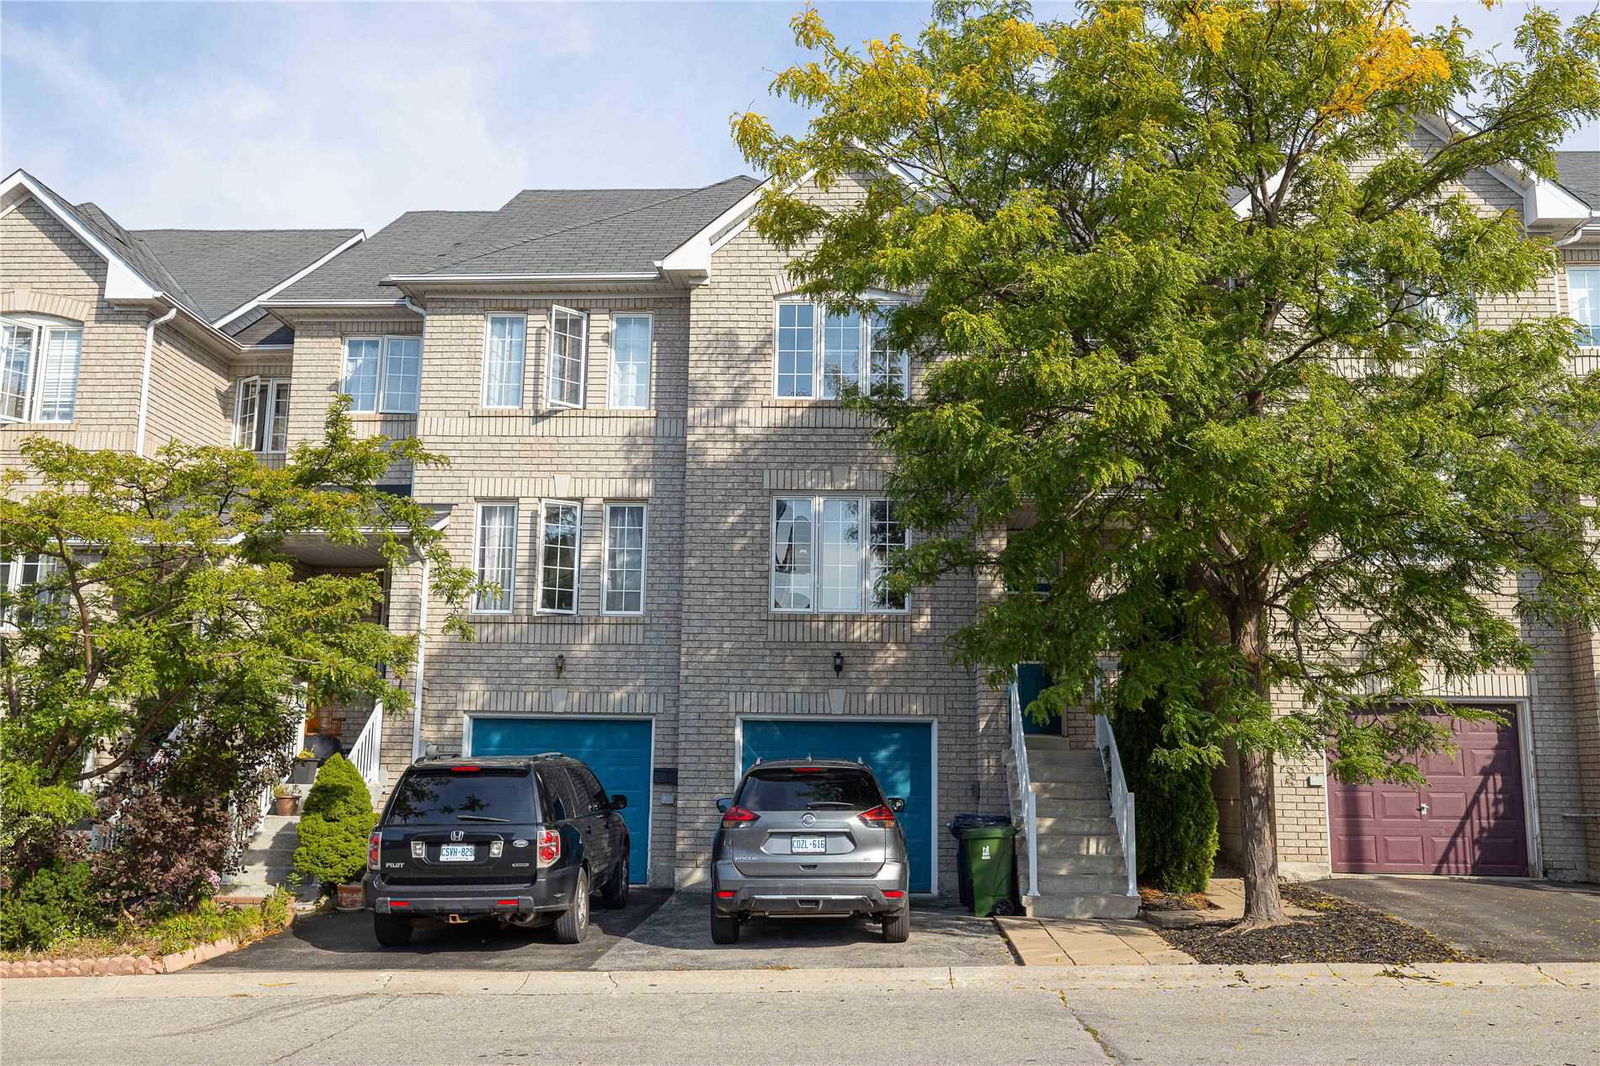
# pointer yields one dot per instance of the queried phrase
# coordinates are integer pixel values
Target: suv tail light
(374, 846)
(880, 817)
(549, 848)
(734, 817)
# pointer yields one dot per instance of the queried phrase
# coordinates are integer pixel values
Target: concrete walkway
(1088, 942)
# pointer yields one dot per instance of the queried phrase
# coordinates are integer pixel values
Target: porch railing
(1105, 739)
(1027, 802)
(367, 752)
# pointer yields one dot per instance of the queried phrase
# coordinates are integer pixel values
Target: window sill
(34, 427)
(799, 401)
(549, 412)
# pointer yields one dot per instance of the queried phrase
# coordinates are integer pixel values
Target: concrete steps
(268, 861)
(1082, 871)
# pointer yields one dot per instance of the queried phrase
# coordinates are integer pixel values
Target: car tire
(392, 932)
(614, 896)
(724, 928)
(574, 921)
(897, 928)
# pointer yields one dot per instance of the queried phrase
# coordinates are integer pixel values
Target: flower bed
(162, 946)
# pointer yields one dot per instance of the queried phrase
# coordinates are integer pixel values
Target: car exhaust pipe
(456, 919)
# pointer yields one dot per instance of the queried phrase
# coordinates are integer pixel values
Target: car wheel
(724, 928)
(574, 921)
(391, 932)
(897, 927)
(614, 895)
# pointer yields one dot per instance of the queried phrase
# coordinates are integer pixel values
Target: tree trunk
(1263, 906)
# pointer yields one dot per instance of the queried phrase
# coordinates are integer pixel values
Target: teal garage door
(899, 753)
(617, 751)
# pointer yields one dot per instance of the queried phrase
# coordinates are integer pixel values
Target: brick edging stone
(127, 965)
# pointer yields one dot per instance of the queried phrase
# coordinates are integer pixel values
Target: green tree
(165, 606)
(1282, 408)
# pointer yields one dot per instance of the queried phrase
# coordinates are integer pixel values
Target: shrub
(1175, 813)
(334, 825)
(167, 847)
(55, 902)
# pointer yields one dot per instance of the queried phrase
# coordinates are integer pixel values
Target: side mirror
(896, 804)
(618, 802)
(723, 803)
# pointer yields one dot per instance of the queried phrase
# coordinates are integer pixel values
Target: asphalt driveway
(1498, 921)
(657, 931)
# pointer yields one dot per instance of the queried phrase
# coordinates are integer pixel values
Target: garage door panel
(1474, 824)
(618, 751)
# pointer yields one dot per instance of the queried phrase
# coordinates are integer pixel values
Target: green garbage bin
(988, 856)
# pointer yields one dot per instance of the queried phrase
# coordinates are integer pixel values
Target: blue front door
(1032, 680)
(617, 751)
(899, 753)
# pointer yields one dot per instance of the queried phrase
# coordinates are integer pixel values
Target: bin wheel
(1004, 907)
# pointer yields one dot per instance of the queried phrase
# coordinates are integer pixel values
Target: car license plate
(808, 845)
(457, 852)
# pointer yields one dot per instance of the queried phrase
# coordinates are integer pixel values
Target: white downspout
(421, 666)
(144, 378)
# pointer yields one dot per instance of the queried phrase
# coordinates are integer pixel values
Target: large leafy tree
(157, 605)
(1195, 293)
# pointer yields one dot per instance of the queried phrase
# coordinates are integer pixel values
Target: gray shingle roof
(222, 269)
(140, 257)
(1580, 175)
(539, 231)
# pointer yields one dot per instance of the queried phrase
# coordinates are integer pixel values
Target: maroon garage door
(1469, 820)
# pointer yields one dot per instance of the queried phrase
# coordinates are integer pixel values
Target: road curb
(754, 981)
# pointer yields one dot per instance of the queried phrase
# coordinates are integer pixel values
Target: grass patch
(172, 933)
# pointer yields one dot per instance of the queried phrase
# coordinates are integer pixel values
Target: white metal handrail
(1026, 800)
(366, 754)
(1105, 739)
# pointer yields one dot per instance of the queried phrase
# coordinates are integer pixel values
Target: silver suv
(809, 836)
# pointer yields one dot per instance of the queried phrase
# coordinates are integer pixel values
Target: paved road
(1498, 921)
(988, 1015)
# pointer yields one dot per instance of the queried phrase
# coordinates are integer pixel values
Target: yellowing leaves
(1211, 22)
(1393, 59)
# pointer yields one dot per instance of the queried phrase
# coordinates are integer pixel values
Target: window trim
(583, 360)
(522, 383)
(577, 558)
(649, 363)
(819, 333)
(865, 499)
(261, 429)
(383, 340)
(43, 327)
(644, 555)
(477, 549)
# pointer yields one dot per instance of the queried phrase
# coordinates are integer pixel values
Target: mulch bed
(1342, 931)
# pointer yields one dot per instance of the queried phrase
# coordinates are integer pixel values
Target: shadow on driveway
(1498, 921)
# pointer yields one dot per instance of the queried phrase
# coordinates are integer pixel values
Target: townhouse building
(649, 459)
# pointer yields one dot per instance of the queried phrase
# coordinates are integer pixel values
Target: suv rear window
(825, 788)
(445, 797)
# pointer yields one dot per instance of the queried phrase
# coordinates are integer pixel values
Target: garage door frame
(650, 803)
(863, 719)
(1533, 843)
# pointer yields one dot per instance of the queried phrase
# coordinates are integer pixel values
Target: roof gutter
(144, 377)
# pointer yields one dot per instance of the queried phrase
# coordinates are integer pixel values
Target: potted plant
(304, 771)
(284, 801)
(334, 823)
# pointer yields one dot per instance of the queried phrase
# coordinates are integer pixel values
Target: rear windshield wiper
(832, 805)
(480, 818)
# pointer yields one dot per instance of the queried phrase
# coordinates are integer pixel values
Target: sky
(247, 115)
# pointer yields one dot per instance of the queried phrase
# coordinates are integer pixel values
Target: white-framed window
(631, 344)
(17, 575)
(623, 589)
(494, 555)
(504, 352)
(382, 374)
(820, 354)
(830, 554)
(560, 527)
(569, 347)
(1583, 292)
(261, 415)
(39, 369)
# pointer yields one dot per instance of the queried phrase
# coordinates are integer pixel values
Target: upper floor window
(569, 343)
(494, 557)
(381, 374)
(630, 361)
(261, 415)
(822, 354)
(1584, 288)
(831, 553)
(38, 369)
(559, 525)
(503, 360)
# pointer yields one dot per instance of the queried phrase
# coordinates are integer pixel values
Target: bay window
(495, 557)
(38, 369)
(382, 374)
(831, 554)
(823, 354)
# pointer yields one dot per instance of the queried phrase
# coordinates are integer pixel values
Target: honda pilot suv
(804, 837)
(523, 840)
